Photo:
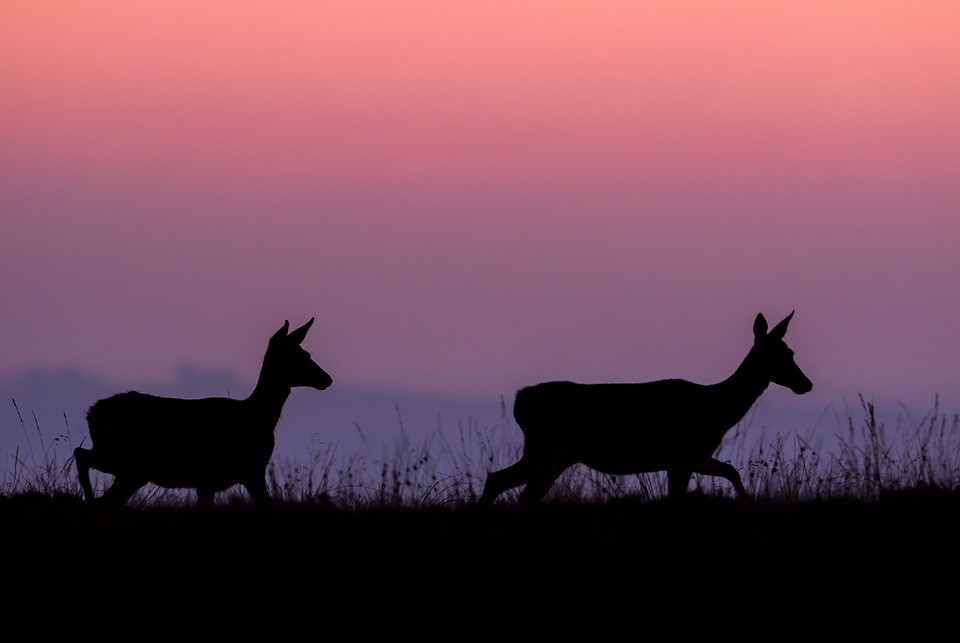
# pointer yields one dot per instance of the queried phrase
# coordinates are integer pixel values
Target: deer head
(775, 358)
(290, 363)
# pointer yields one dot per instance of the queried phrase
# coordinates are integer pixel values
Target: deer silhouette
(620, 429)
(206, 444)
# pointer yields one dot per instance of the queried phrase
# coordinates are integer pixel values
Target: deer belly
(178, 481)
(213, 469)
(625, 463)
(185, 475)
(624, 453)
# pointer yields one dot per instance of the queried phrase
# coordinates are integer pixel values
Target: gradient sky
(475, 196)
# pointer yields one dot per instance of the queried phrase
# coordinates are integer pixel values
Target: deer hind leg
(120, 491)
(677, 481)
(257, 488)
(82, 458)
(545, 464)
(714, 467)
(204, 497)
(540, 482)
(500, 481)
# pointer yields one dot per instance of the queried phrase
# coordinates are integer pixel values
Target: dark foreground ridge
(495, 560)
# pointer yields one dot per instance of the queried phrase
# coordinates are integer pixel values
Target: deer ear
(759, 327)
(280, 334)
(297, 336)
(781, 329)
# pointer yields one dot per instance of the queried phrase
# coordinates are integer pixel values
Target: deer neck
(741, 390)
(268, 397)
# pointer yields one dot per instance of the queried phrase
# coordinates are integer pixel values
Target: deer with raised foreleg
(620, 429)
(206, 444)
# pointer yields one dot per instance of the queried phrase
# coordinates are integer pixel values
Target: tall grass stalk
(48, 474)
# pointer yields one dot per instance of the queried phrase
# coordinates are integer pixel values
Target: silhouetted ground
(736, 564)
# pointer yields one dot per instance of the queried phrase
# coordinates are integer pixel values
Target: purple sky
(474, 199)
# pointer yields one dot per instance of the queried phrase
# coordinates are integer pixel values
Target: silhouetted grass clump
(40, 471)
(354, 538)
(434, 472)
(371, 540)
(871, 459)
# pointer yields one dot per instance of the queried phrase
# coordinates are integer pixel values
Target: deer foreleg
(677, 481)
(714, 467)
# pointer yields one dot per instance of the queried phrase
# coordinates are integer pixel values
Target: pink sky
(475, 196)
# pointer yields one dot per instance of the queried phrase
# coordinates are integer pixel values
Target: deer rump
(178, 443)
(621, 429)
